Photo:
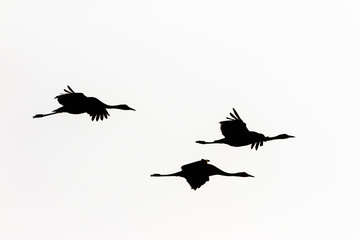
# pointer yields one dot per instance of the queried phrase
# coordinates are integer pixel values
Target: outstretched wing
(96, 109)
(234, 126)
(195, 173)
(71, 98)
(258, 143)
(197, 181)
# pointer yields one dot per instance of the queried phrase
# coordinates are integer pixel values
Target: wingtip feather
(237, 115)
(70, 89)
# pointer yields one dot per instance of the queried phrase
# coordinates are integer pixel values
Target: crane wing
(234, 126)
(96, 109)
(79, 103)
(195, 166)
(71, 98)
(195, 173)
(197, 181)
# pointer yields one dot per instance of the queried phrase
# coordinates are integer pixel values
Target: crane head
(124, 107)
(284, 136)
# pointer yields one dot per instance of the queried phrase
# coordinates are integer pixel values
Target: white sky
(286, 66)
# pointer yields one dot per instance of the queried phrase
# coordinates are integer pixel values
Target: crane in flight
(236, 134)
(77, 103)
(198, 173)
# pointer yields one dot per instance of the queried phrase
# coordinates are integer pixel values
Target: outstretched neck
(281, 136)
(271, 138)
(238, 174)
(212, 170)
(222, 173)
(120, 106)
(226, 174)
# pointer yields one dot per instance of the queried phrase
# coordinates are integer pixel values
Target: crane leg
(44, 115)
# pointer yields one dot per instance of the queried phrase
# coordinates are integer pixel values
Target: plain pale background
(286, 66)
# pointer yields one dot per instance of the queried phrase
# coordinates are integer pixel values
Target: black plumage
(236, 134)
(198, 173)
(77, 103)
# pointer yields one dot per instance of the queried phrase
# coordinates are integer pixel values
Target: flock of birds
(197, 173)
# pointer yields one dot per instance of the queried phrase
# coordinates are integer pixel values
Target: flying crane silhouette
(198, 173)
(77, 103)
(236, 134)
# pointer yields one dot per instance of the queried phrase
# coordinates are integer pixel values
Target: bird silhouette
(236, 134)
(77, 103)
(198, 173)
